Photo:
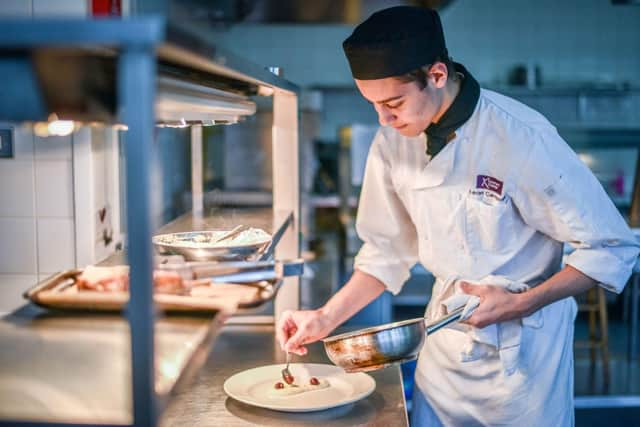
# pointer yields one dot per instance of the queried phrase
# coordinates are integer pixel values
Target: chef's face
(409, 107)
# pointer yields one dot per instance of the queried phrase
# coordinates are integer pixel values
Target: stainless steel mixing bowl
(182, 244)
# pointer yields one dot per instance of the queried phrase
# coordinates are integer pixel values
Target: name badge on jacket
(488, 186)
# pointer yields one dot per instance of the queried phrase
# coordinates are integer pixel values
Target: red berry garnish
(288, 379)
(279, 385)
(314, 381)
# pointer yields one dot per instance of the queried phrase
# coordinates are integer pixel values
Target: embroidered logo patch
(490, 183)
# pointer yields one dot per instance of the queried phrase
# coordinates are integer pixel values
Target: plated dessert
(311, 387)
(290, 388)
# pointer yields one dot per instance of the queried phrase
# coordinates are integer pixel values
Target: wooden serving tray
(61, 292)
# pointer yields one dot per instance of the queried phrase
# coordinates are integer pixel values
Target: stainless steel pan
(381, 346)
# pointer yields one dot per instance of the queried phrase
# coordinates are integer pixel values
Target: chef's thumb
(294, 344)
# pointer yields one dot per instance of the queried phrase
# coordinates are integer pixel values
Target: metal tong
(236, 272)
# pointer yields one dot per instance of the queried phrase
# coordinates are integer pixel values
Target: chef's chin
(408, 131)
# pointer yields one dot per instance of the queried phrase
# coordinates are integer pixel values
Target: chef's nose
(385, 116)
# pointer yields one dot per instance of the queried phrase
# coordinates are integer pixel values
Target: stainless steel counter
(237, 348)
(77, 368)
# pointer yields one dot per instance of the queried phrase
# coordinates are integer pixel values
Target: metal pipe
(197, 197)
(137, 70)
(634, 210)
(633, 334)
(286, 191)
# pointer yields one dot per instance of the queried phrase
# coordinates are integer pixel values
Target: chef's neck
(451, 90)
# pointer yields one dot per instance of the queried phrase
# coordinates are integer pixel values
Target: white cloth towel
(504, 337)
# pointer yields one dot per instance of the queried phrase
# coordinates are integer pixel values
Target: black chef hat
(395, 41)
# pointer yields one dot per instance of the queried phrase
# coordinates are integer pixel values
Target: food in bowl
(210, 239)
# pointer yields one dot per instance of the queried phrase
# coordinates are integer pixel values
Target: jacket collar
(439, 167)
(461, 110)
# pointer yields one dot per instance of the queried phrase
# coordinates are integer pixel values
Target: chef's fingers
(285, 328)
(300, 351)
(468, 288)
(478, 320)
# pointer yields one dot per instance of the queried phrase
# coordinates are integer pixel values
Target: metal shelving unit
(138, 73)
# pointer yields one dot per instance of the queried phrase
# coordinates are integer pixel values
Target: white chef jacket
(499, 199)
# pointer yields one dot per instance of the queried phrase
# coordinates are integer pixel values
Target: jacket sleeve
(383, 224)
(560, 197)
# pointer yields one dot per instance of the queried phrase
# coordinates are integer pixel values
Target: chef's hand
(496, 304)
(296, 328)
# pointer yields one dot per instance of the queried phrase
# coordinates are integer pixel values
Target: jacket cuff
(602, 266)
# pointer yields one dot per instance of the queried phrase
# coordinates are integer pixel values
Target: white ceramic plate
(253, 385)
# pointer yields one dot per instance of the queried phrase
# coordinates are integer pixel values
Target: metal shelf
(73, 68)
(331, 201)
(135, 72)
(221, 218)
(239, 198)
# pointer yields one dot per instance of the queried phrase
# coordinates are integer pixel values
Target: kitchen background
(576, 61)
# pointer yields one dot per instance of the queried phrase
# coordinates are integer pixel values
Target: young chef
(486, 208)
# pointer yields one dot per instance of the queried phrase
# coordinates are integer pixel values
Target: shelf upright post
(286, 191)
(136, 92)
(197, 192)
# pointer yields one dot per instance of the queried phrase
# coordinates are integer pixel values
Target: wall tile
(23, 148)
(17, 190)
(53, 148)
(11, 288)
(54, 189)
(18, 246)
(56, 245)
(60, 8)
(15, 8)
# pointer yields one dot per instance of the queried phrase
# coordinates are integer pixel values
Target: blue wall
(572, 40)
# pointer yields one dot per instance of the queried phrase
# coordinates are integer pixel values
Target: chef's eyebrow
(384, 101)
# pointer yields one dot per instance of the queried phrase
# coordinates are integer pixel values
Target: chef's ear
(438, 74)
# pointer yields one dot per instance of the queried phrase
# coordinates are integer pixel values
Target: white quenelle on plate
(256, 387)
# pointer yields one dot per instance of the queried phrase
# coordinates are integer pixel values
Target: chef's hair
(420, 75)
